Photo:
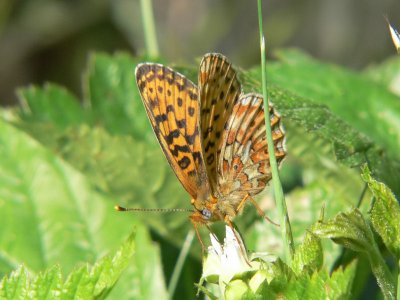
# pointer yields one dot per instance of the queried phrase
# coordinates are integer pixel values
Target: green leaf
(318, 285)
(111, 92)
(385, 213)
(352, 231)
(339, 106)
(144, 278)
(134, 173)
(386, 73)
(54, 211)
(47, 194)
(349, 95)
(111, 99)
(50, 104)
(348, 229)
(327, 185)
(16, 285)
(83, 283)
(338, 286)
(47, 284)
(308, 256)
(131, 168)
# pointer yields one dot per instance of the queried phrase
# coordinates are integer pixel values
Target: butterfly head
(204, 210)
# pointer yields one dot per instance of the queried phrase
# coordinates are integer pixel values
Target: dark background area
(48, 40)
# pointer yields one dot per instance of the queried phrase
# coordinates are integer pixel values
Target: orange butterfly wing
(219, 91)
(172, 105)
(243, 166)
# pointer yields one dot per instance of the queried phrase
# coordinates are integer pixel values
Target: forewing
(243, 167)
(171, 102)
(219, 90)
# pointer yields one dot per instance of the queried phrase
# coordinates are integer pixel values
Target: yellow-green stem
(179, 263)
(149, 28)
(286, 231)
(398, 280)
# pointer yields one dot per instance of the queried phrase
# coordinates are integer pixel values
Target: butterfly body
(212, 135)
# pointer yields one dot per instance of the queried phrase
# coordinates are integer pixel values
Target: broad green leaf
(135, 174)
(352, 231)
(132, 169)
(385, 213)
(54, 211)
(339, 106)
(112, 95)
(83, 283)
(111, 100)
(350, 95)
(50, 104)
(64, 220)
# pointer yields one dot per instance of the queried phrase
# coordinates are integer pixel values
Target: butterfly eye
(206, 214)
(235, 167)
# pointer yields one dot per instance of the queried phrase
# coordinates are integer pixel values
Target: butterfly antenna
(162, 210)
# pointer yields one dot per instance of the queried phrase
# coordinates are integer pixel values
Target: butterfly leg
(198, 236)
(259, 210)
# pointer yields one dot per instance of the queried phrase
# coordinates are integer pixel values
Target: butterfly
(212, 135)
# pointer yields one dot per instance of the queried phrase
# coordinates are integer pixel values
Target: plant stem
(398, 281)
(179, 263)
(286, 230)
(149, 28)
(382, 273)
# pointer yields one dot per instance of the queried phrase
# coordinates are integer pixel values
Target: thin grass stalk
(179, 263)
(286, 230)
(149, 28)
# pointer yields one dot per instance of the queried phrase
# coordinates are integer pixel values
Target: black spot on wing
(209, 145)
(197, 156)
(171, 136)
(184, 162)
(180, 87)
(191, 111)
(176, 149)
(181, 123)
(210, 158)
(192, 95)
(205, 111)
(170, 108)
(180, 101)
(160, 118)
(142, 85)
